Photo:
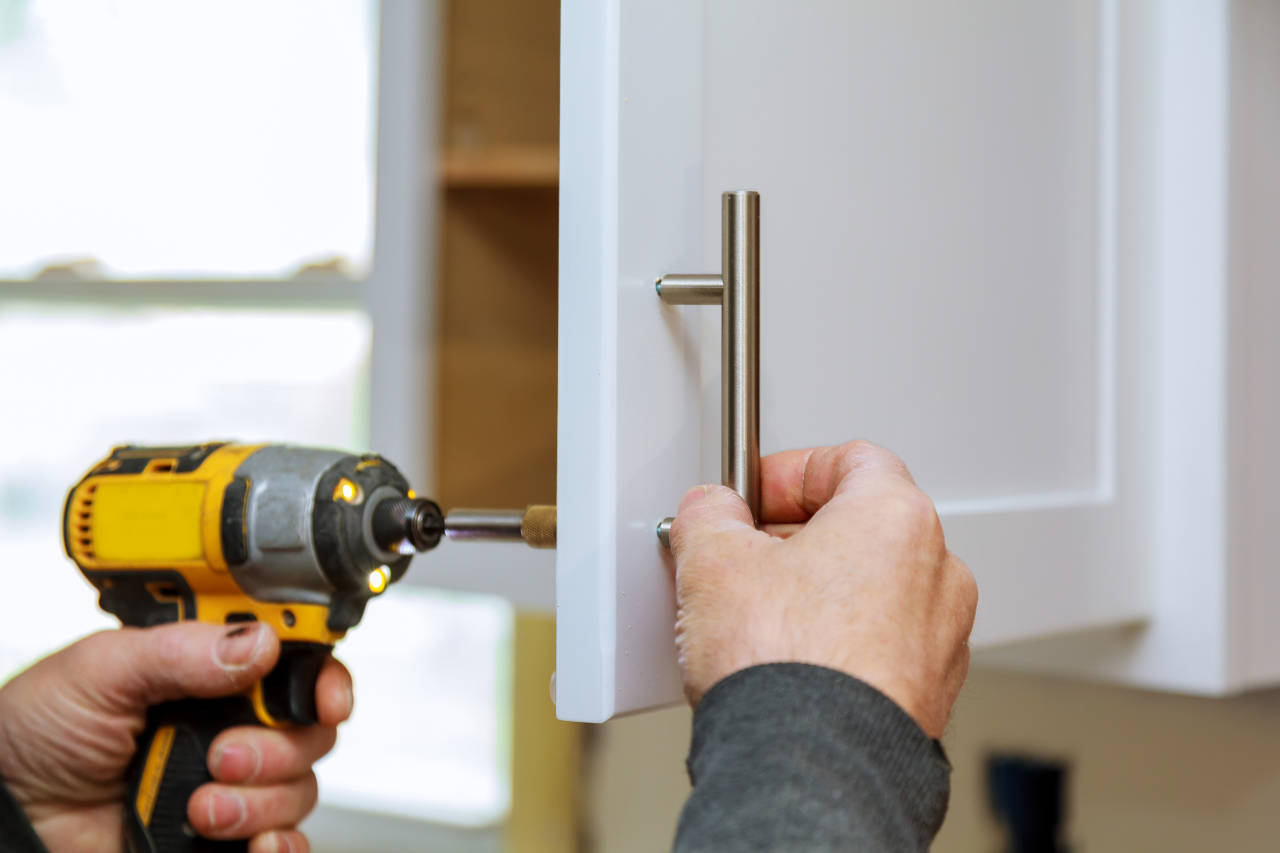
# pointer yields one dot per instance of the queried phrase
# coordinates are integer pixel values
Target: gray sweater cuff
(803, 758)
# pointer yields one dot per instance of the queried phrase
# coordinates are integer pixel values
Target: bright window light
(200, 139)
(429, 736)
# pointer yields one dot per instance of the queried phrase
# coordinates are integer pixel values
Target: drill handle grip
(170, 763)
(172, 755)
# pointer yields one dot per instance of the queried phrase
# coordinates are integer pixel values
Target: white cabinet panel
(1210, 190)
(931, 195)
(958, 263)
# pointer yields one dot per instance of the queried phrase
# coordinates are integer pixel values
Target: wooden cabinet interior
(497, 262)
(502, 94)
(496, 331)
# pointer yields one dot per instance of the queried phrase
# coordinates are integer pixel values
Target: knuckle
(853, 455)
(168, 648)
(912, 512)
(703, 518)
(859, 447)
(308, 794)
(861, 453)
(85, 653)
(968, 584)
(310, 786)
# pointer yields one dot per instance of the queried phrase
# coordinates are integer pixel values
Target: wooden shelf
(507, 166)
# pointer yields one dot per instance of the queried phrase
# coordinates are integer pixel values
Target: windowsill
(332, 829)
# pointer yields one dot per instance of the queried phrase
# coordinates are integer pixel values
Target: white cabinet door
(948, 269)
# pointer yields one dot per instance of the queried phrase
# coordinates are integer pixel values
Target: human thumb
(708, 515)
(140, 667)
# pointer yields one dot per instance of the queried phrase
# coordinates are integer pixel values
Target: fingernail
(238, 648)
(351, 701)
(226, 811)
(236, 762)
(697, 493)
(276, 842)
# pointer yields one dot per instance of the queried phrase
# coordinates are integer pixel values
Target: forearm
(797, 757)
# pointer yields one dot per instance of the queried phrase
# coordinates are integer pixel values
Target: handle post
(740, 346)
(737, 291)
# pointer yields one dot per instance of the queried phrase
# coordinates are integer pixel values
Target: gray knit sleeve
(803, 758)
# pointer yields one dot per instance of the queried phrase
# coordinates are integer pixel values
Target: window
(146, 138)
(188, 254)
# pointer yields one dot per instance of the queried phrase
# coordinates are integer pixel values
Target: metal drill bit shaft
(534, 525)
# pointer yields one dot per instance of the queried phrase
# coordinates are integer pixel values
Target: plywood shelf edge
(496, 167)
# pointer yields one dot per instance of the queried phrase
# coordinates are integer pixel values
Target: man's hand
(67, 729)
(849, 572)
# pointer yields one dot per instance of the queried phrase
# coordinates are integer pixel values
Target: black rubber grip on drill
(170, 763)
(172, 755)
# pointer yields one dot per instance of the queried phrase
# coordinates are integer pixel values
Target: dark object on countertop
(1027, 796)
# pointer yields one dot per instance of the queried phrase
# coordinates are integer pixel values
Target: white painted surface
(993, 239)
(1211, 208)
(931, 190)
(400, 292)
(938, 275)
(628, 411)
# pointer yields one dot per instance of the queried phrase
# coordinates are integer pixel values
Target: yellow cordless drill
(300, 538)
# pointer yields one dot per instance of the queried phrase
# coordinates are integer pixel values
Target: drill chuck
(413, 522)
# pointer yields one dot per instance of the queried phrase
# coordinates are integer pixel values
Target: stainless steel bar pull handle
(737, 291)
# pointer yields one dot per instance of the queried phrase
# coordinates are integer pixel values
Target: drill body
(299, 538)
